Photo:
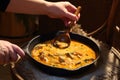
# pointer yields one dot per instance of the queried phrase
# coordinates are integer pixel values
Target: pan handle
(25, 50)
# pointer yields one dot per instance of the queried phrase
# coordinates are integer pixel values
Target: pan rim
(98, 53)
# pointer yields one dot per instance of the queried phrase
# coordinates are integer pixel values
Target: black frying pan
(59, 71)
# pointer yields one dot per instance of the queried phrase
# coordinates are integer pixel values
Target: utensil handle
(78, 10)
(76, 13)
(72, 22)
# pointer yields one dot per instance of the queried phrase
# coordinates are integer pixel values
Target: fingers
(70, 7)
(67, 20)
(18, 50)
(15, 51)
(9, 52)
(12, 54)
(70, 14)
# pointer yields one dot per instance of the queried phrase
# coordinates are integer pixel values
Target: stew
(73, 57)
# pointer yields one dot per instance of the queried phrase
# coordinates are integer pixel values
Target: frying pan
(61, 71)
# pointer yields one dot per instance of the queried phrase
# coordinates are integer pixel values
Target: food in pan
(75, 56)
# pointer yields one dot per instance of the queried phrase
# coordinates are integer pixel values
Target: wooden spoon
(63, 38)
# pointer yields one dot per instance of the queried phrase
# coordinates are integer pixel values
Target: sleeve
(4, 4)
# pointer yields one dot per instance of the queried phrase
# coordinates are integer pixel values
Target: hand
(9, 52)
(63, 10)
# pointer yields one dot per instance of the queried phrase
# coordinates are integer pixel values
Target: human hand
(9, 52)
(63, 10)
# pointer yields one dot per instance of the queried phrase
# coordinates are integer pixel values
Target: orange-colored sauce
(73, 57)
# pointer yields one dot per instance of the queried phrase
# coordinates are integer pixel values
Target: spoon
(63, 38)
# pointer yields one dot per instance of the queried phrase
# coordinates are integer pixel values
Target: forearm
(28, 6)
(62, 10)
